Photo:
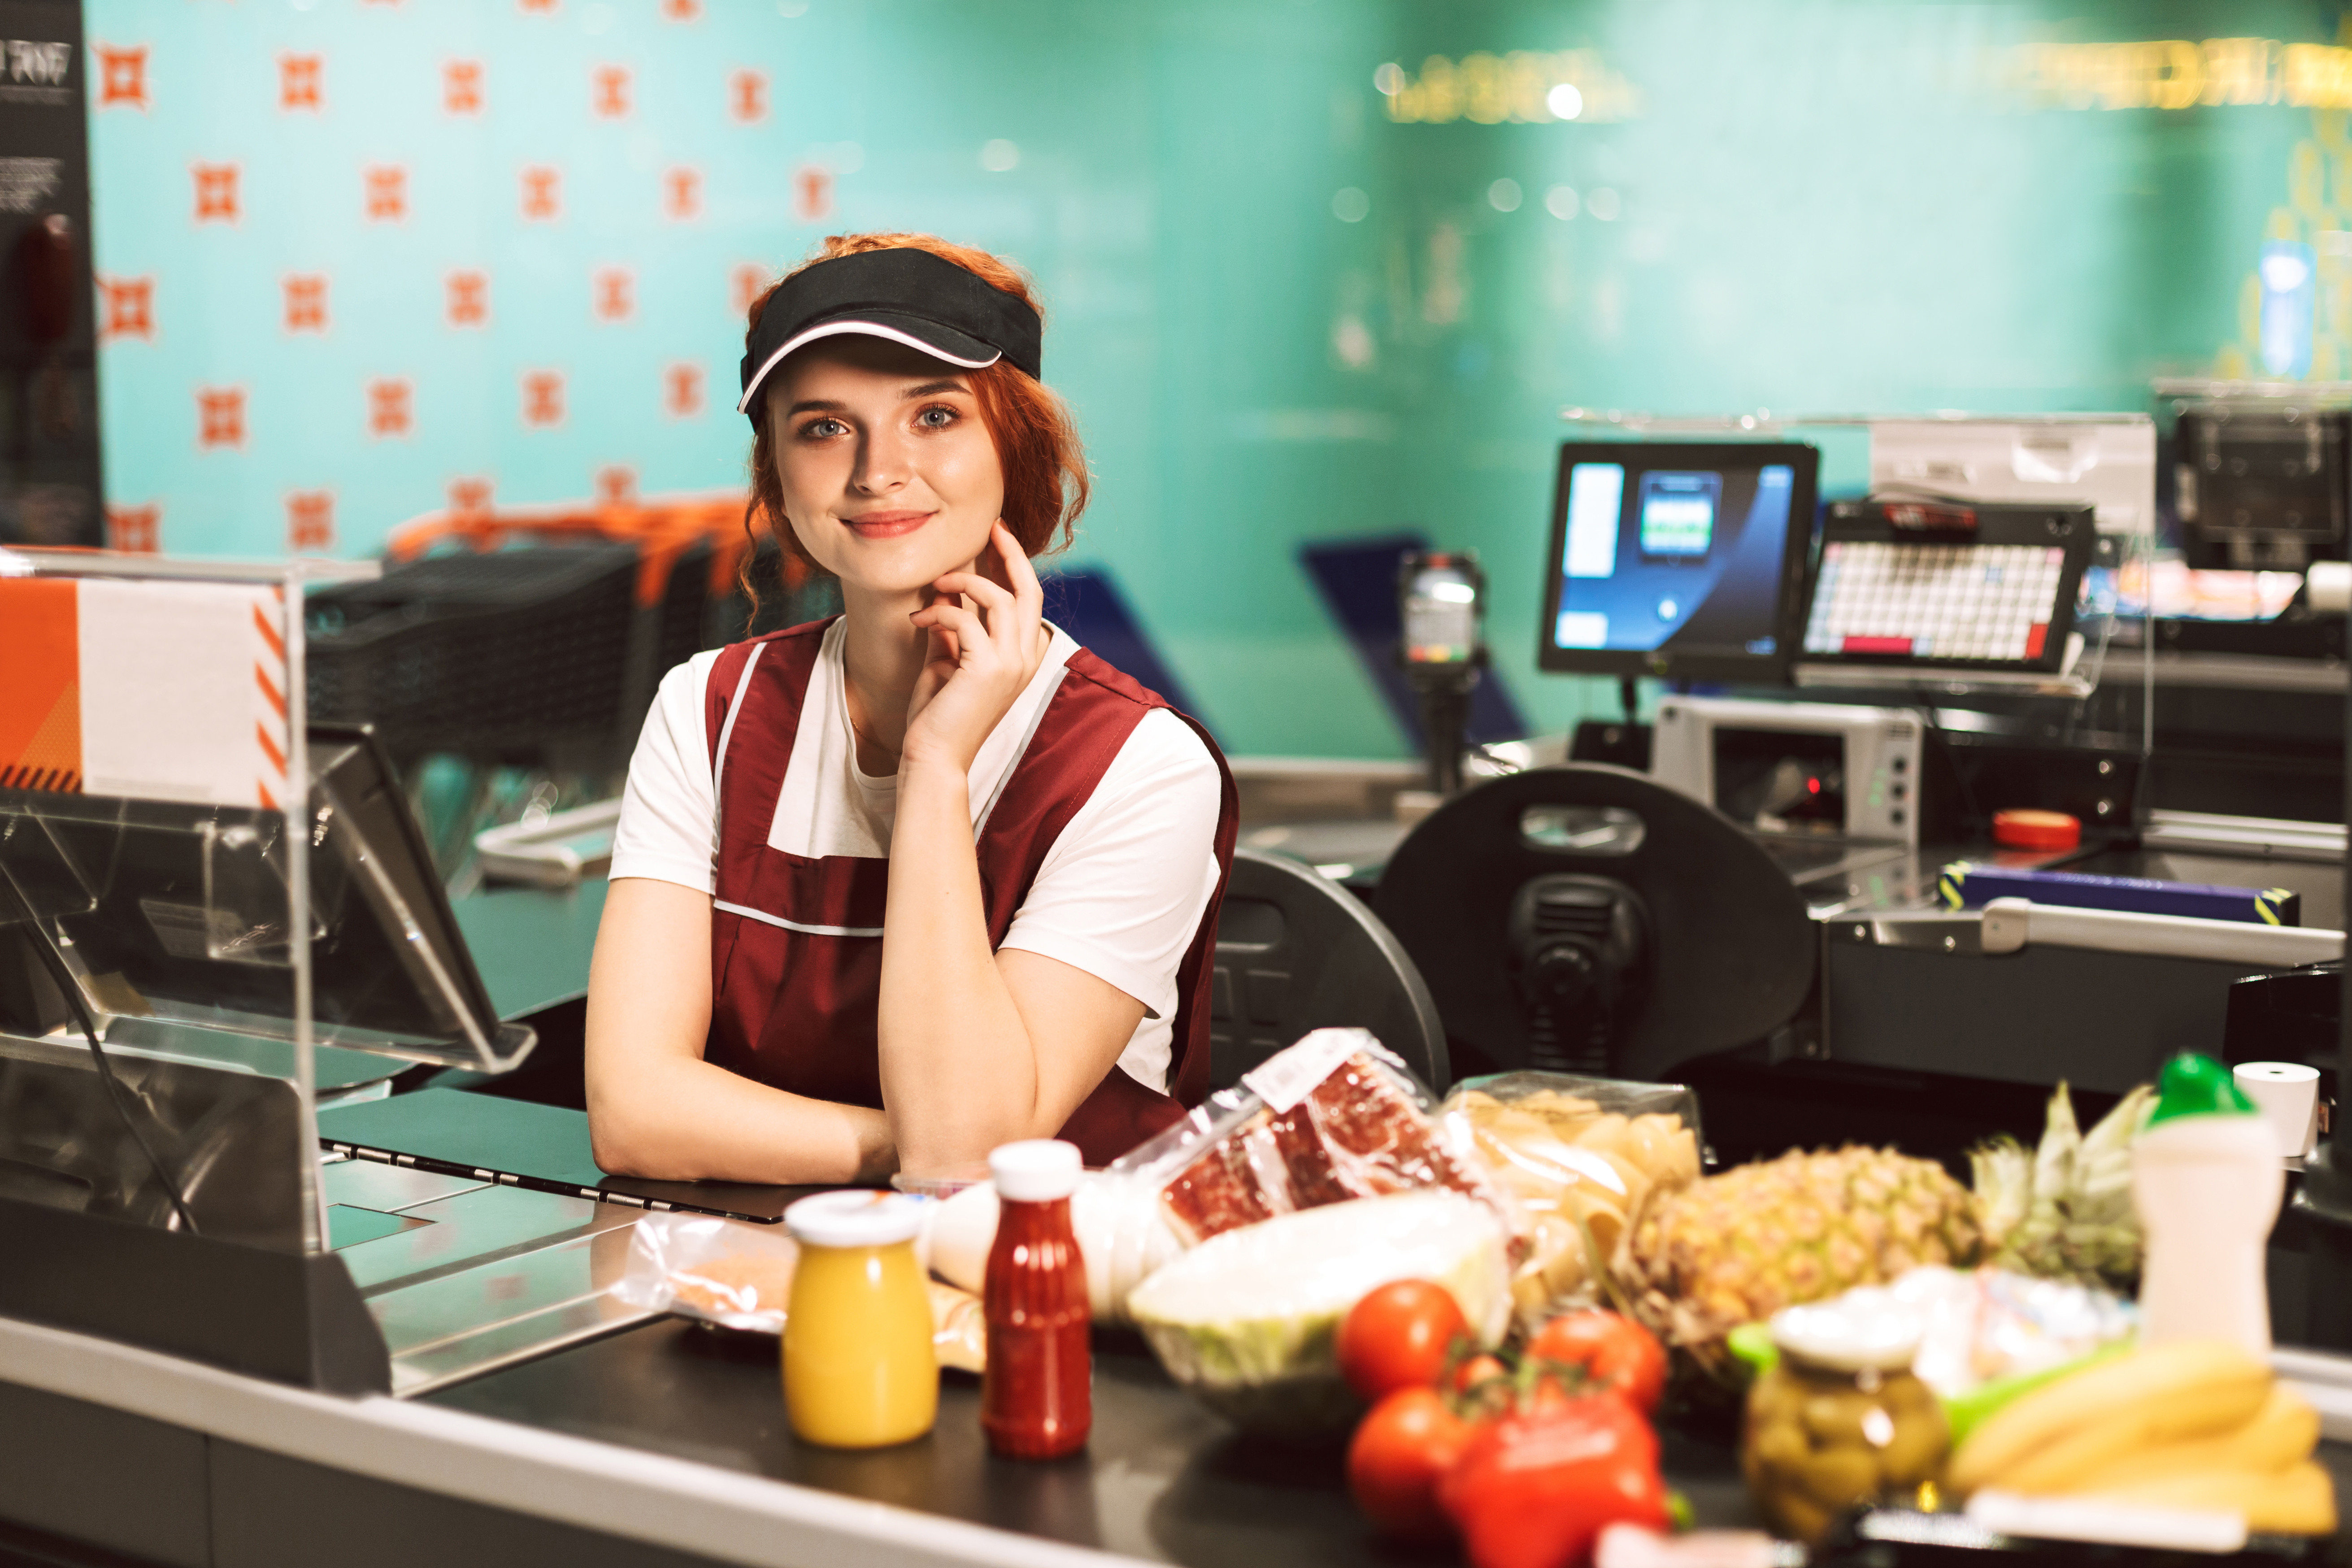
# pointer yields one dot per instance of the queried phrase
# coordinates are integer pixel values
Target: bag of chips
(1577, 1158)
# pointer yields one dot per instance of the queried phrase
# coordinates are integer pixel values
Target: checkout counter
(514, 1410)
(532, 1417)
(462, 1385)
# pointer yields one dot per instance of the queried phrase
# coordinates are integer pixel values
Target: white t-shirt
(1120, 895)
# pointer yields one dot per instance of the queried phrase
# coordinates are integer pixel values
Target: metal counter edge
(622, 1493)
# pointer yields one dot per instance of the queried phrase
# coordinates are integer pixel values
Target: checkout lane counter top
(532, 945)
(462, 1274)
(1909, 987)
(1163, 1479)
(2094, 999)
(666, 1445)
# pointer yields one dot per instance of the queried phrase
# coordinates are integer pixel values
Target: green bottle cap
(2199, 1086)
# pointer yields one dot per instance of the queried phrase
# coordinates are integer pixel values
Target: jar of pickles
(1841, 1419)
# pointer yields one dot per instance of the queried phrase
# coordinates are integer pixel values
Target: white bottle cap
(856, 1219)
(1036, 1170)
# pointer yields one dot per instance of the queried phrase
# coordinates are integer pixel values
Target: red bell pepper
(1534, 1489)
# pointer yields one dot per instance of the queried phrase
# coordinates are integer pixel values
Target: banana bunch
(2191, 1425)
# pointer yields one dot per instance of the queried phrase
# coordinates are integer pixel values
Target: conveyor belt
(1163, 1479)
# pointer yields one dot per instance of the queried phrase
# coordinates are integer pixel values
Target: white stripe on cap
(862, 329)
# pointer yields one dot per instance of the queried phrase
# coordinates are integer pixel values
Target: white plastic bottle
(1122, 1235)
(2206, 1179)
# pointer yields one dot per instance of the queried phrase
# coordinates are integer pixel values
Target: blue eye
(936, 417)
(822, 429)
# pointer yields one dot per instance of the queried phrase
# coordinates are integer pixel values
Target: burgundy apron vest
(796, 944)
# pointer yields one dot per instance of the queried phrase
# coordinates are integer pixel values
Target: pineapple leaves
(2067, 1212)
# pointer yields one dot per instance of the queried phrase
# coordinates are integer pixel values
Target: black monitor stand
(1444, 720)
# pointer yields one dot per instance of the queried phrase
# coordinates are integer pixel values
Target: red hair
(1046, 485)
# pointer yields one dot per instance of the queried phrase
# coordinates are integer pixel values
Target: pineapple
(2065, 1212)
(1738, 1247)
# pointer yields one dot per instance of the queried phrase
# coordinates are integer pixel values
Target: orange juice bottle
(859, 1372)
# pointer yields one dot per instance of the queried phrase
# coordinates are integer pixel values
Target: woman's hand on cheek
(980, 659)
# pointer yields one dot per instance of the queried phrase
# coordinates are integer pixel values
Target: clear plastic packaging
(1122, 1235)
(1989, 1325)
(740, 1275)
(1247, 1321)
(1576, 1159)
(1334, 1117)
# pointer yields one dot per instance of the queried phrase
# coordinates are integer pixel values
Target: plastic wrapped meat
(1222, 1190)
(1376, 1140)
(1306, 1161)
(1334, 1117)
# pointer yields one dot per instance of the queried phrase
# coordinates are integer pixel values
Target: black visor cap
(907, 296)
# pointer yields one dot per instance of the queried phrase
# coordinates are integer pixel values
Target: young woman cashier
(893, 889)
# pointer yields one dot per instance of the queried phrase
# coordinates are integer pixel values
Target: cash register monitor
(180, 911)
(1684, 560)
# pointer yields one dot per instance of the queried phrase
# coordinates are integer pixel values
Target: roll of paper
(2287, 1094)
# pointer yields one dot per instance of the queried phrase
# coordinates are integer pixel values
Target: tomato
(1535, 1489)
(1398, 1456)
(1399, 1336)
(1547, 1391)
(1478, 1372)
(1613, 1350)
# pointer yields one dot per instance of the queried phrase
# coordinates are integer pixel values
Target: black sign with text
(50, 477)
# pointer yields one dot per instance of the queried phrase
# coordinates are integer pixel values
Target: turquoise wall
(1282, 313)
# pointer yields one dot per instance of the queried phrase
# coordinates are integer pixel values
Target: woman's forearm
(655, 1107)
(960, 1073)
(690, 1120)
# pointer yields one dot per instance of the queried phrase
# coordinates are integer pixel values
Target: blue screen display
(1673, 558)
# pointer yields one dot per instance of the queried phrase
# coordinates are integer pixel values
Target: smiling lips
(887, 524)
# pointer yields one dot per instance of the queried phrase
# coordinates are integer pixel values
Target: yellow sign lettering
(1520, 88)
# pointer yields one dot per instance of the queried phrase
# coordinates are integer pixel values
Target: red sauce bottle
(1036, 1398)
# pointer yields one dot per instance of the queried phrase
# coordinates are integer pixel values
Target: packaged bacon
(1335, 1116)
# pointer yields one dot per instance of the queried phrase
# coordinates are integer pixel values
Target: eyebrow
(829, 405)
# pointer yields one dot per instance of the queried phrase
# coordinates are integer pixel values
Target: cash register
(1865, 688)
(1697, 563)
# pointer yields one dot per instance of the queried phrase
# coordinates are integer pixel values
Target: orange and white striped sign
(155, 691)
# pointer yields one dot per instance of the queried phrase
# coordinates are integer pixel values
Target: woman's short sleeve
(669, 820)
(1121, 892)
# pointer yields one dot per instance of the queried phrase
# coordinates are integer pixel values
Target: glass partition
(179, 913)
(177, 934)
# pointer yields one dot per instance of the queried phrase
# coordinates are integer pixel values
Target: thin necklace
(849, 711)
